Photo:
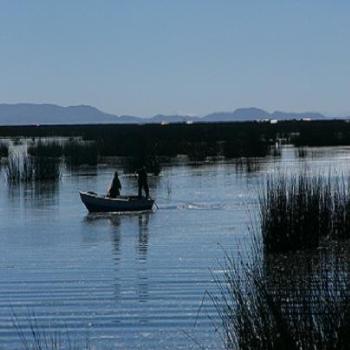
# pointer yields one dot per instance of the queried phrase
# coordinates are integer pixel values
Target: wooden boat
(100, 203)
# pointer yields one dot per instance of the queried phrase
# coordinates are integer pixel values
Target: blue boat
(101, 203)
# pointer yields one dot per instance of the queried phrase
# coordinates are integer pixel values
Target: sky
(144, 57)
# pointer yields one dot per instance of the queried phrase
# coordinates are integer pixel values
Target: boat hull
(96, 203)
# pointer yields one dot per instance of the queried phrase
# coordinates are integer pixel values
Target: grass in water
(36, 336)
(297, 212)
(300, 301)
(51, 149)
(24, 168)
(293, 290)
(78, 153)
(4, 150)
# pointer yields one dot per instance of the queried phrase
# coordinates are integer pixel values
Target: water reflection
(43, 194)
(310, 285)
(33, 195)
(143, 221)
(97, 224)
(248, 165)
(142, 249)
(120, 226)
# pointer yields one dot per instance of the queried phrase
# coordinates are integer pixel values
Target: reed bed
(46, 168)
(4, 150)
(293, 291)
(197, 152)
(152, 164)
(297, 212)
(80, 153)
(299, 302)
(25, 168)
(52, 149)
(247, 146)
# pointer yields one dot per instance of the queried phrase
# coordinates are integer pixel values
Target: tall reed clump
(246, 146)
(46, 168)
(4, 150)
(302, 303)
(297, 212)
(24, 168)
(52, 149)
(80, 153)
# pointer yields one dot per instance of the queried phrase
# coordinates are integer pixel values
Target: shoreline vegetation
(300, 211)
(294, 301)
(297, 132)
(151, 144)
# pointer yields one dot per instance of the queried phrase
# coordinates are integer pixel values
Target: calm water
(130, 281)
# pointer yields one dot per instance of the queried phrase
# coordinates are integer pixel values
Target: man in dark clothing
(115, 188)
(142, 181)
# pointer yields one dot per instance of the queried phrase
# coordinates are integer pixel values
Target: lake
(132, 281)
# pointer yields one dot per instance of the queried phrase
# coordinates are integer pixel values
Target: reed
(4, 150)
(197, 151)
(51, 149)
(297, 212)
(299, 302)
(27, 170)
(78, 153)
(245, 146)
(46, 168)
(152, 163)
(24, 168)
(37, 336)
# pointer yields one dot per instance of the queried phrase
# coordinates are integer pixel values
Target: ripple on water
(127, 281)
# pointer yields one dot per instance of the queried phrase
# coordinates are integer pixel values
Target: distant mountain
(28, 113)
(240, 114)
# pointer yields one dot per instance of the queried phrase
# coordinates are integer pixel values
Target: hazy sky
(177, 56)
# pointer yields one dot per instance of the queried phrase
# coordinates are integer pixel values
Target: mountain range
(30, 113)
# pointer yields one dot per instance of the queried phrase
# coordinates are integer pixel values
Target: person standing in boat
(115, 188)
(142, 181)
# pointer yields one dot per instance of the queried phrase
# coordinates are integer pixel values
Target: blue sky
(177, 56)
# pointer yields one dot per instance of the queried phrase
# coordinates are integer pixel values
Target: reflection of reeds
(302, 152)
(296, 302)
(276, 151)
(13, 170)
(28, 169)
(78, 153)
(298, 211)
(248, 164)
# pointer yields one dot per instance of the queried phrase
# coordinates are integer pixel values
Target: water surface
(133, 281)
